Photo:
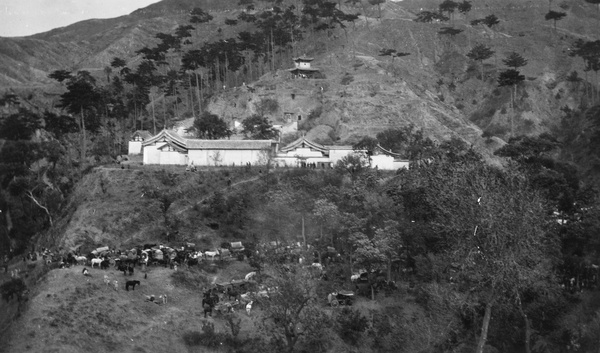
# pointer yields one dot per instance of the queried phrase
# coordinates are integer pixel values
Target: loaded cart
(342, 297)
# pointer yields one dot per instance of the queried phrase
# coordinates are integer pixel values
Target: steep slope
(436, 87)
(91, 44)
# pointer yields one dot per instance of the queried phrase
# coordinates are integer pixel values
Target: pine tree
(480, 53)
(512, 77)
(554, 15)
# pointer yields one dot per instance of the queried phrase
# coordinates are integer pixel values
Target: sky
(26, 17)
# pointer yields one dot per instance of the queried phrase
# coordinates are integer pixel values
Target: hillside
(436, 87)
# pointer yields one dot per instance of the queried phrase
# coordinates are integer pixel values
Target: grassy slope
(69, 312)
(123, 207)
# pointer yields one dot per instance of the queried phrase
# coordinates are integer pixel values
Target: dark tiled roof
(229, 144)
(304, 143)
(339, 147)
(166, 135)
(143, 134)
(304, 58)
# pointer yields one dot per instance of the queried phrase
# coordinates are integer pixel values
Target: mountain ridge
(436, 64)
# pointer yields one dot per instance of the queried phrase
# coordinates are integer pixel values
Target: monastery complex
(169, 148)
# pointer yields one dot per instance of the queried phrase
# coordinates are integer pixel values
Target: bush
(13, 288)
(192, 338)
(350, 324)
(347, 79)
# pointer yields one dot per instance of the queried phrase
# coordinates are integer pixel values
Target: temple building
(137, 138)
(305, 153)
(387, 160)
(303, 69)
(169, 148)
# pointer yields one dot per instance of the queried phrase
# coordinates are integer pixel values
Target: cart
(343, 297)
(226, 307)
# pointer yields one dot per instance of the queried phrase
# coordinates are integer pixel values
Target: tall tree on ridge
(480, 52)
(81, 98)
(512, 77)
(555, 16)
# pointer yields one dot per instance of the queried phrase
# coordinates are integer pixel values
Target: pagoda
(303, 69)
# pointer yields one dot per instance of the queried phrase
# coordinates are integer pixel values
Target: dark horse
(209, 301)
(207, 305)
(131, 284)
(232, 293)
(104, 265)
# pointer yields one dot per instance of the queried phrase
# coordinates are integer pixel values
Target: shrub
(347, 79)
(192, 338)
(351, 324)
(315, 113)
(15, 287)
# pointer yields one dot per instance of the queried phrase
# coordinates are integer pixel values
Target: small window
(299, 117)
(293, 96)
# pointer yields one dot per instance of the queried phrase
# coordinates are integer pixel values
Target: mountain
(91, 44)
(436, 86)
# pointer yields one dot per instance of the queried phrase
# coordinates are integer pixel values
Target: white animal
(249, 276)
(211, 254)
(81, 259)
(317, 266)
(97, 261)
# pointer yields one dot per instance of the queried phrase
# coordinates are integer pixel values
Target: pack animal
(104, 264)
(97, 261)
(232, 293)
(211, 255)
(131, 284)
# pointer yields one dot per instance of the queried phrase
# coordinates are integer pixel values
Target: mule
(131, 284)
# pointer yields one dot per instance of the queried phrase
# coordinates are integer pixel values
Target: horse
(97, 261)
(207, 309)
(207, 305)
(123, 268)
(211, 254)
(131, 284)
(231, 293)
(104, 264)
(81, 259)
